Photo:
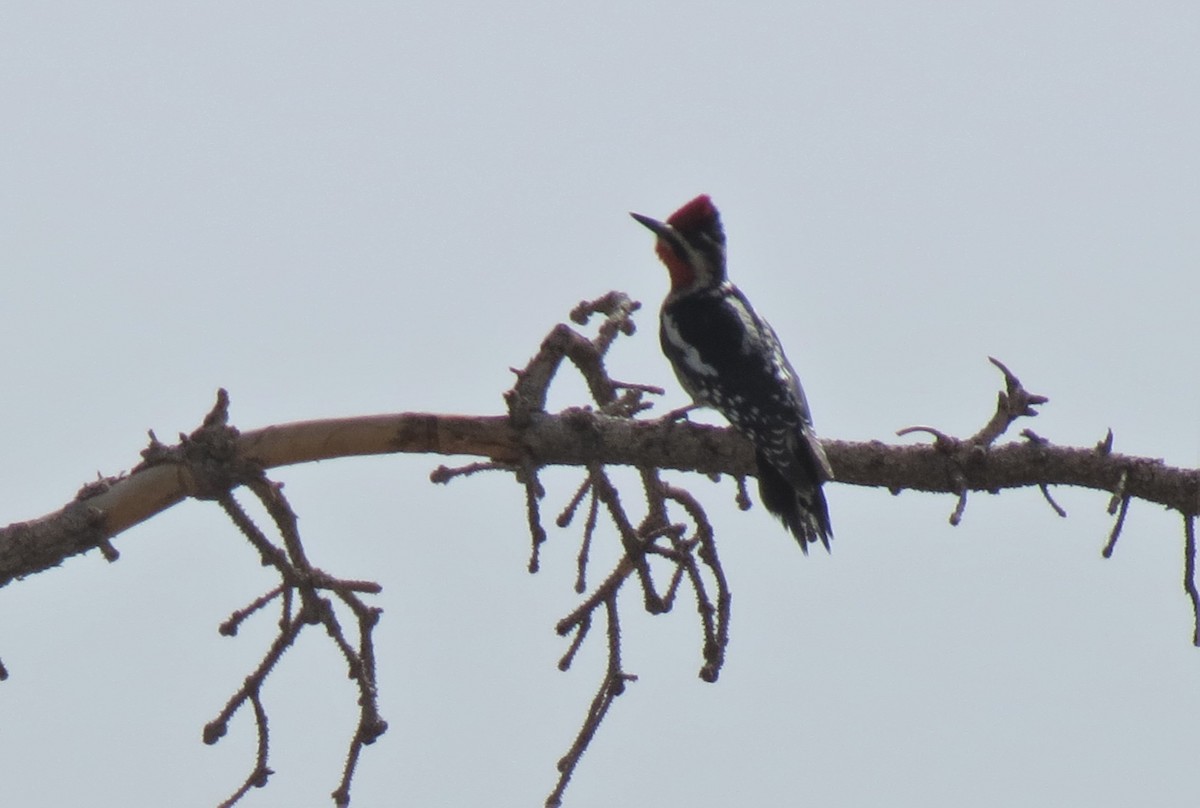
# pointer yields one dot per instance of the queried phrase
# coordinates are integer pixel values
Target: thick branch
(580, 437)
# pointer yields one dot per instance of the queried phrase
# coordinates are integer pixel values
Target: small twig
(261, 772)
(615, 676)
(269, 554)
(1034, 438)
(1189, 573)
(630, 540)
(677, 414)
(362, 669)
(581, 630)
(959, 508)
(1118, 492)
(611, 686)
(618, 309)
(652, 389)
(108, 551)
(629, 403)
(605, 590)
(1012, 403)
(528, 395)
(270, 495)
(214, 730)
(585, 546)
(230, 627)
(941, 439)
(1116, 529)
(568, 512)
(1046, 493)
(444, 474)
(533, 494)
(1015, 402)
(960, 484)
(743, 496)
(716, 637)
(679, 554)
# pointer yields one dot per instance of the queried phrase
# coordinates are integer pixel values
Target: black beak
(660, 229)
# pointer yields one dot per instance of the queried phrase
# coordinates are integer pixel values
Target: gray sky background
(340, 209)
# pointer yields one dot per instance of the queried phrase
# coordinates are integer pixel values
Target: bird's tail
(800, 506)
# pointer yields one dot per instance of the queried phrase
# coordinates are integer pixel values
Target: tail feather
(801, 508)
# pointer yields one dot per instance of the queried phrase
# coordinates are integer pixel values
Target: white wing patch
(758, 338)
(751, 330)
(691, 356)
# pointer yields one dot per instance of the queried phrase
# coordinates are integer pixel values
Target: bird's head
(691, 242)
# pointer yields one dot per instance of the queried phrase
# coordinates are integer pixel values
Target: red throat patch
(682, 274)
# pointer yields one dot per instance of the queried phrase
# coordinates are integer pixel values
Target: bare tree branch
(216, 459)
(576, 438)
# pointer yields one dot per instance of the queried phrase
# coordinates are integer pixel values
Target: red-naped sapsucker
(728, 358)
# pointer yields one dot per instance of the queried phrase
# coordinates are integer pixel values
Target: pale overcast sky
(335, 209)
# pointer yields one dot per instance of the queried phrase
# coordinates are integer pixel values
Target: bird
(727, 357)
